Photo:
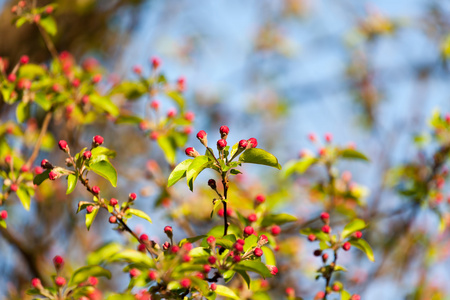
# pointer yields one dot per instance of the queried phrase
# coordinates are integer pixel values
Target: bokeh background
(369, 72)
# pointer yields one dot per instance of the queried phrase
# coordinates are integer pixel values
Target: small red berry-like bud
(213, 286)
(346, 176)
(252, 217)
(212, 184)
(143, 237)
(89, 209)
(12, 77)
(87, 154)
(14, 9)
(201, 134)
(243, 144)
(154, 135)
(181, 84)
(241, 241)
(14, 187)
(58, 262)
(236, 258)
(210, 240)
(273, 269)
(76, 82)
(8, 159)
(328, 137)
(212, 260)
(276, 230)
(326, 229)
(336, 288)
(152, 275)
(187, 246)
(36, 283)
(224, 130)
(324, 257)
(134, 273)
(220, 212)
(206, 268)
(4, 214)
(56, 88)
(155, 104)
(96, 190)
(45, 164)
(22, 4)
(142, 248)
(252, 143)
(97, 140)
(190, 151)
(258, 252)
(355, 297)
(49, 10)
(168, 231)
(112, 219)
(346, 246)
(93, 280)
(317, 252)
(358, 234)
(137, 69)
(60, 281)
(312, 137)
(85, 99)
(320, 295)
(238, 247)
(24, 59)
(132, 196)
(171, 113)
(156, 62)
(311, 237)
(186, 258)
(187, 130)
(221, 144)
(290, 292)
(248, 230)
(324, 216)
(190, 116)
(52, 175)
(63, 145)
(185, 283)
(96, 78)
(260, 199)
(113, 202)
(38, 170)
(166, 245)
(322, 151)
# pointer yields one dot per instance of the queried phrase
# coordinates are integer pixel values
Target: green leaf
(253, 266)
(24, 197)
(169, 147)
(245, 276)
(22, 112)
(250, 242)
(298, 166)
(140, 214)
(38, 179)
(133, 256)
(91, 217)
(179, 172)
(71, 183)
(195, 168)
(20, 21)
(228, 275)
(259, 156)
(31, 71)
(364, 247)
(278, 219)
(226, 292)
(106, 170)
(83, 273)
(353, 226)
(177, 97)
(49, 25)
(227, 244)
(42, 101)
(103, 253)
(317, 232)
(131, 90)
(269, 256)
(3, 223)
(121, 297)
(345, 295)
(104, 103)
(353, 154)
(128, 119)
(191, 239)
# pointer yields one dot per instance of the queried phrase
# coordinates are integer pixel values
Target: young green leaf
(24, 197)
(226, 292)
(91, 217)
(49, 25)
(195, 168)
(353, 154)
(83, 273)
(179, 172)
(106, 170)
(353, 226)
(22, 112)
(364, 247)
(259, 156)
(133, 256)
(140, 214)
(71, 183)
(253, 266)
(169, 147)
(278, 219)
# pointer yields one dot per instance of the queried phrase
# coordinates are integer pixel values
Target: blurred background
(369, 72)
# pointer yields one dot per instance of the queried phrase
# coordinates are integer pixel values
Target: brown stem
(48, 42)
(224, 202)
(37, 146)
(328, 277)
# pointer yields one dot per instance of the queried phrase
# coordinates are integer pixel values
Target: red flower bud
(152, 275)
(324, 216)
(185, 283)
(168, 230)
(36, 283)
(258, 252)
(206, 268)
(174, 249)
(201, 134)
(328, 137)
(212, 184)
(155, 104)
(276, 230)
(326, 229)
(260, 198)
(186, 258)
(132, 196)
(87, 154)
(112, 219)
(236, 258)
(212, 260)
(320, 295)
(58, 261)
(134, 273)
(224, 130)
(210, 240)
(137, 69)
(336, 288)
(12, 77)
(52, 175)
(213, 286)
(156, 62)
(358, 234)
(60, 281)
(190, 151)
(98, 140)
(113, 202)
(143, 237)
(273, 270)
(243, 144)
(346, 246)
(190, 116)
(311, 237)
(238, 247)
(241, 241)
(171, 113)
(38, 170)
(89, 209)
(96, 78)
(96, 190)
(248, 230)
(14, 187)
(93, 280)
(221, 144)
(252, 142)
(63, 145)
(24, 59)
(252, 217)
(4, 214)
